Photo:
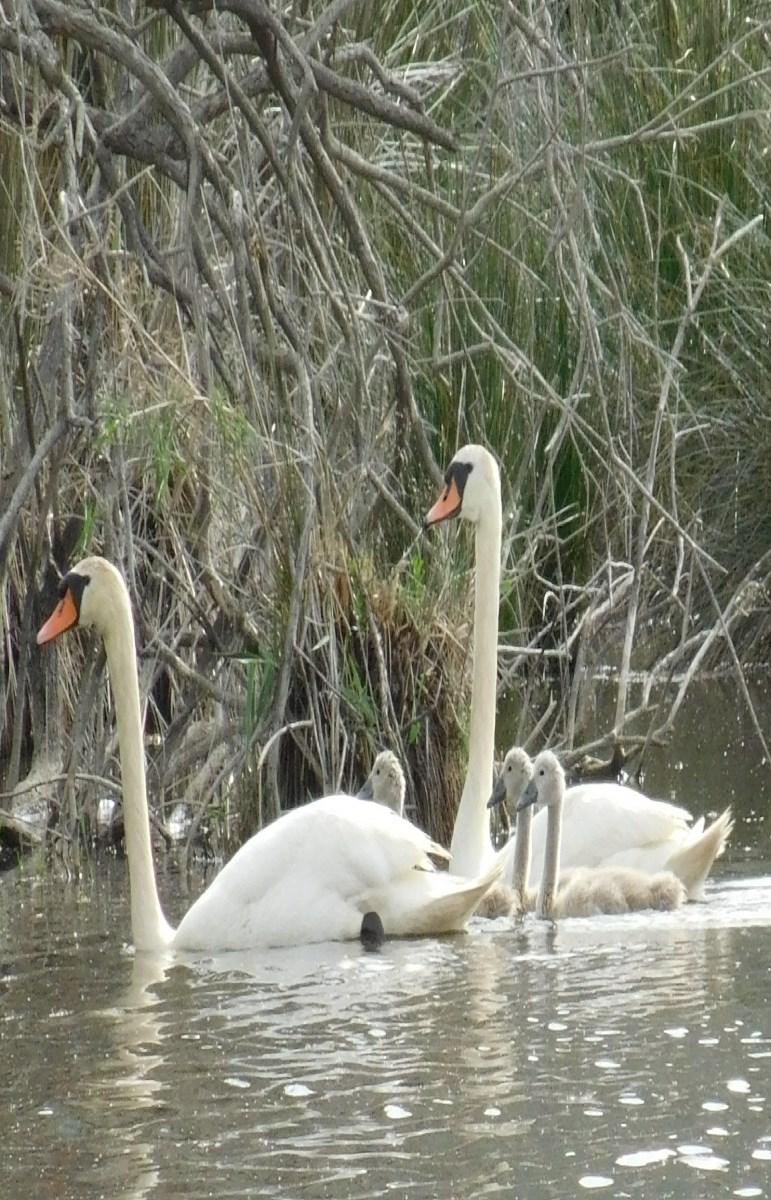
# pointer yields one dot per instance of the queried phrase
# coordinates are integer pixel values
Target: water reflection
(619, 1055)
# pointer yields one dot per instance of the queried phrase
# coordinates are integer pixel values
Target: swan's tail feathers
(448, 912)
(667, 891)
(693, 863)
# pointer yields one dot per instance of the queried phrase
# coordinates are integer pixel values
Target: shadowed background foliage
(262, 271)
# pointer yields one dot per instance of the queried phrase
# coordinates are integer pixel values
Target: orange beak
(64, 616)
(448, 505)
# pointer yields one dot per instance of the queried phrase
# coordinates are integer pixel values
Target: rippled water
(630, 1056)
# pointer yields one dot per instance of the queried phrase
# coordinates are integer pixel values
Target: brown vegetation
(261, 270)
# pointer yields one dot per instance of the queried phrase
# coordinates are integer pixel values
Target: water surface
(630, 1056)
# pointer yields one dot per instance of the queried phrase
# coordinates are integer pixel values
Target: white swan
(603, 822)
(308, 877)
(587, 892)
(473, 490)
(385, 783)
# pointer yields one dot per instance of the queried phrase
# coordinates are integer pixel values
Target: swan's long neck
(547, 892)
(471, 849)
(150, 929)
(523, 845)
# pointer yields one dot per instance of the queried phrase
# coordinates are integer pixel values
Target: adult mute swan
(385, 783)
(585, 891)
(473, 490)
(603, 822)
(308, 877)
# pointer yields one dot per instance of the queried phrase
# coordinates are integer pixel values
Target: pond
(625, 1056)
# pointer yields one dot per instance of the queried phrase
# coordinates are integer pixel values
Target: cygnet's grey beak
(366, 792)
(499, 793)
(529, 796)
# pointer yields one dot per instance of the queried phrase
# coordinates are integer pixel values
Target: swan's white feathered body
(310, 876)
(609, 825)
(603, 820)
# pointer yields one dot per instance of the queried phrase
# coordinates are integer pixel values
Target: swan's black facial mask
(66, 615)
(450, 502)
(76, 584)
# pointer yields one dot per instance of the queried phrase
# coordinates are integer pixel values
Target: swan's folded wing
(299, 878)
(372, 845)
